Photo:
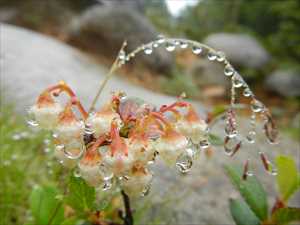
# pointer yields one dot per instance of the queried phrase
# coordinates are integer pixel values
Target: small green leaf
(287, 177)
(286, 215)
(251, 190)
(242, 214)
(81, 197)
(45, 207)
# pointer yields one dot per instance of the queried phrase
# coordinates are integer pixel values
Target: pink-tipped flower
(138, 182)
(69, 127)
(46, 111)
(89, 168)
(100, 122)
(143, 151)
(118, 158)
(192, 126)
(170, 146)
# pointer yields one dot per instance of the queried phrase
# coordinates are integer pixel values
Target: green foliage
(288, 177)
(45, 207)
(81, 197)
(251, 190)
(286, 215)
(242, 214)
(248, 212)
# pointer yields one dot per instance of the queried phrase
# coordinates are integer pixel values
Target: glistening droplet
(220, 56)
(228, 70)
(107, 185)
(211, 55)
(251, 137)
(257, 106)
(232, 145)
(237, 81)
(247, 92)
(160, 39)
(105, 172)
(170, 46)
(148, 50)
(77, 172)
(183, 44)
(196, 50)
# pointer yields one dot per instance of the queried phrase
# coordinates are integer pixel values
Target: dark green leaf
(251, 190)
(287, 177)
(242, 214)
(81, 197)
(286, 215)
(45, 207)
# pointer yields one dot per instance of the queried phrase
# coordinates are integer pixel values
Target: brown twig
(128, 218)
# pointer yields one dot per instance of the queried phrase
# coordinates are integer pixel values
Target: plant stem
(113, 68)
(128, 218)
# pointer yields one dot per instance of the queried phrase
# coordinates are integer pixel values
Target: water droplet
(16, 137)
(146, 190)
(105, 172)
(257, 106)
(122, 55)
(228, 70)
(107, 185)
(232, 145)
(237, 81)
(155, 44)
(184, 162)
(230, 131)
(270, 130)
(251, 137)
(249, 173)
(46, 142)
(211, 56)
(204, 144)
(220, 56)
(32, 123)
(77, 172)
(170, 46)
(148, 50)
(247, 92)
(47, 150)
(160, 39)
(196, 50)
(183, 44)
(74, 150)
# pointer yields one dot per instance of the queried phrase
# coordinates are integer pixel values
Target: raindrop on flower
(184, 162)
(220, 56)
(31, 119)
(204, 144)
(107, 185)
(232, 145)
(105, 172)
(228, 70)
(170, 46)
(74, 151)
(196, 50)
(146, 190)
(257, 106)
(251, 137)
(237, 81)
(211, 56)
(247, 92)
(155, 44)
(122, 55)
(183, 44)
(148, 50)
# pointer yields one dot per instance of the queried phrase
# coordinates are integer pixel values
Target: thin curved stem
(128, 218)
(113, 68)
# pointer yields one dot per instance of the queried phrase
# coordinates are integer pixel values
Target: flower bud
(46, 111)
(100, 122)
(138, 182)
(170, 146)
(196, 131)
(142, 152)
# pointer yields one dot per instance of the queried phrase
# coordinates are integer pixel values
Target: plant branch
(128, 218)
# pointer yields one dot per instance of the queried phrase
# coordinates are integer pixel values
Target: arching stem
(128, 218)
(113, 68)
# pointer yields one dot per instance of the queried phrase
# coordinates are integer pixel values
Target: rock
(104, 28)
(207, 73)
(30, 62)
(240, 49)
(284, 82)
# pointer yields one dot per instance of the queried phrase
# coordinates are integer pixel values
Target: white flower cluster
(116, 144)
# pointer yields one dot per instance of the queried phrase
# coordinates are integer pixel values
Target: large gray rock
(104, 29)
(30, 62)
(284, 82)
(240, 49)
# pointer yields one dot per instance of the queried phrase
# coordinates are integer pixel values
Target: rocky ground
(31, 62)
